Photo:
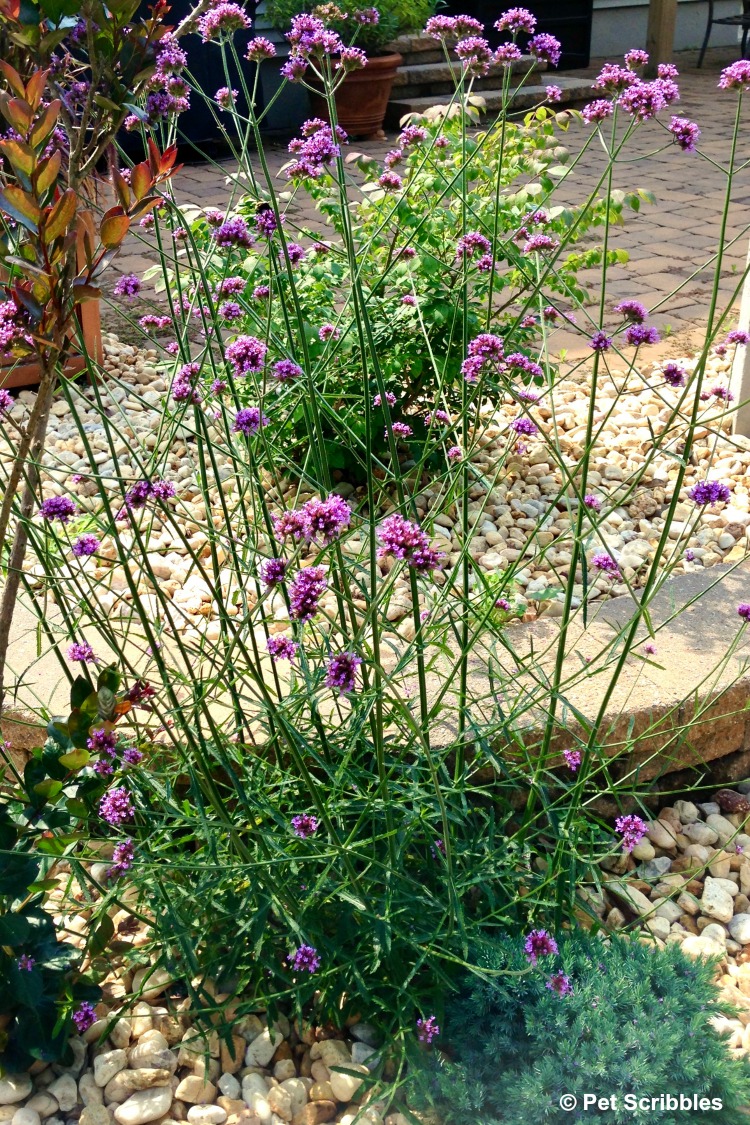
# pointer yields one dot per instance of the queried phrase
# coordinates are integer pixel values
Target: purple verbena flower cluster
(709, 492)
(342, 672)
(127, 286)
(246, 354)
(560, 983)
(233, 232)
(86, 545)
(281, 648)
(84, 1016)
(572, 759)
(60, 508)
(116, 806)
(539, 943)
(273, 571)
(122, 859)
(183, 384)
(316, 519)
(605, 563)
(305, 825)
(405, 539)
(427, 1029)
(632, 829)
(249, 420)
(305, 959)
(305, 592)
(81, 651)
(485, 349)
(222, 20)
(316, 150)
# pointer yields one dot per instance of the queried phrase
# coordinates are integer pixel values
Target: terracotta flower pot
(362, 97)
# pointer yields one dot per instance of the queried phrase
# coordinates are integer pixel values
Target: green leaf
(109, 677)
(101, 936)
(107, 103)
(16, 873)
(57, 729)
(77, 807)
(42, 885)
(55, 10)
(106, 702)
(75, 760)
(80, 691)
(15, 930)
(48, 788)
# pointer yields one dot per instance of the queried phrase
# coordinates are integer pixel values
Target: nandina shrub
(353, 769)
(616, 1019)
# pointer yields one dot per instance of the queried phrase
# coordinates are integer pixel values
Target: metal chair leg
(743, 48)
(707, 36)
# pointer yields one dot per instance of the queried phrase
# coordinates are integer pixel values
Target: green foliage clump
(48, 812)
(410, 244)
(635, 1025)
(396, 18)
(39, 978)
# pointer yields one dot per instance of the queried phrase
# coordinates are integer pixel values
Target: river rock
(26, 1116)
(95, 1115)
(716, 901)
(633, 898)
(152, 1050)
(206, 1115)
(145, 1105)
(44, 1104)
(106, 1066)
(739, 928)
(701, 833)
(723, 828)
(262, 1049)
(229, 1086)
(345, 1084)
(14, 1088)
(120, 1033)
(65, 1091)
(126, 1082)
(715, 932)
(280, 1102)
(196, 1090)
(142, 1019)
(696, 945)
(297, 1091)
(152, 981)
(686, 811)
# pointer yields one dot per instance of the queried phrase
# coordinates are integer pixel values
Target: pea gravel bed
(521, 512)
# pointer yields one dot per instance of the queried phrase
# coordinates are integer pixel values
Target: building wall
(620, 24)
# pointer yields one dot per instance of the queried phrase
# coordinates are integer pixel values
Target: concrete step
(417, 49)
(444, 74)
(574, 91)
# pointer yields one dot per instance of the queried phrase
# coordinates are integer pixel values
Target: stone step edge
(527, 96)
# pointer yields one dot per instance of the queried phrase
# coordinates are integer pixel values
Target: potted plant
(362, 97)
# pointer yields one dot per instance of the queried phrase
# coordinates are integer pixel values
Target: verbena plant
(342, 767)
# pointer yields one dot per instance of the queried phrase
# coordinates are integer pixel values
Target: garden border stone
(684, 706)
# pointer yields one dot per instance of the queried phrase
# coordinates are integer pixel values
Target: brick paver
(667, 241)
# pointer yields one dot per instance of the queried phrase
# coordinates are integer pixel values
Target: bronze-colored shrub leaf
(114, 227)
